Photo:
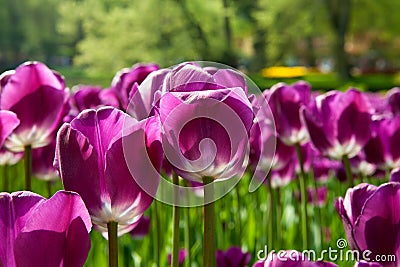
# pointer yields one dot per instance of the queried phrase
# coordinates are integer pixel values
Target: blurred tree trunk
(229, 57)
(196, 31)
(339, 16)
(260, 49)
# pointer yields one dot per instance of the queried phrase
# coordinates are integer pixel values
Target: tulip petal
(15, 210)
(61, 226)
(377, 228)
(77, 162)
(8, 122)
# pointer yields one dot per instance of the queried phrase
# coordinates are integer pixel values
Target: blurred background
(330, 43)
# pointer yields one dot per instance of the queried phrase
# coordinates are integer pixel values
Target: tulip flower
(290, 258)
(107, 157)
(317, 197)
(42, 163)
(142, 228)
(339, 125)
(125, 80)
(382, 148)
(182, 255)
(91, 97)
(370, 216)
(38, 232)
(285, 102)
(206, 117)
(37, 95)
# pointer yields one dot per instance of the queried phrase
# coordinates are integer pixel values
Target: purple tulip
(206, 122)
(378, 104)
(382, 148)
(339, 123)
(38, 97)
(317, 197)
(107, 157)
(8, 122)
(42, 162)
(125, 80)
(262, 144)
(90, 97)
(233, 257)
(181, 257)
(324, 168)
(142, 228)
(371, 218)
(282, 177)
(285, 102)
(38, 232)
(290, 258)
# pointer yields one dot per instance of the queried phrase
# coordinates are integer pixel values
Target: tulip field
(193, 165)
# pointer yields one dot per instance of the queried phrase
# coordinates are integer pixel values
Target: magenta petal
(8, 122)
(316, 131)
(126, 195)
(377, 228)
(77, 162)
(230, 79)
(57, 213)
(61, 226)
(209, 128)
(141, 101)
(15, 210)
(39, 248)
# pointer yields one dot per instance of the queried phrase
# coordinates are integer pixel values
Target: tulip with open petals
(104, 155)
(37, 95)
(285, 102)
(339, 123)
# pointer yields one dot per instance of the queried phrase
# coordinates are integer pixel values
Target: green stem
(278, 207)
(175, 218)
(238, 219)
(271, 216)
(303, 196)
(187, 237)
(48, 187)
(5, 174)
(156, 233)
(318, 208)
(112, 228)
(209, 223)
(347, 167)
(28, 167)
